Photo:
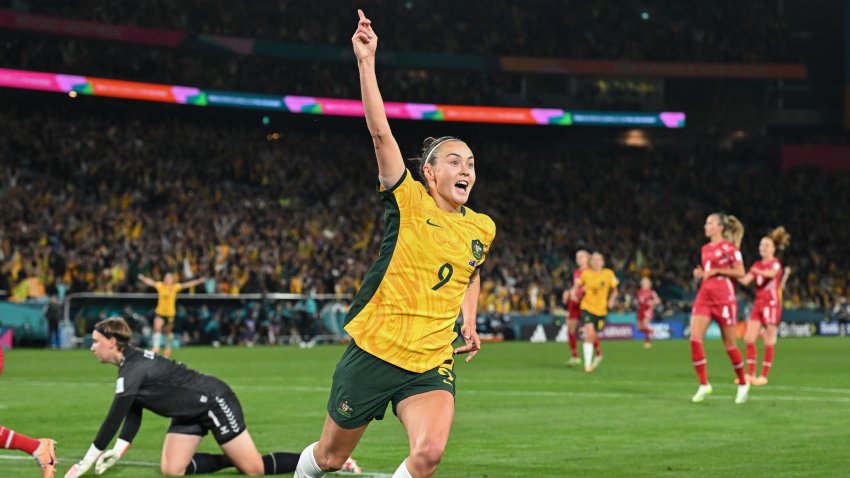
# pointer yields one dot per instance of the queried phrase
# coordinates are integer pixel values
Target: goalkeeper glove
(111, 457)
(85, 464)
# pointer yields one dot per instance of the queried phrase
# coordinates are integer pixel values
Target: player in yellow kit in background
(166, 307)
(600, 292)
(403, 319)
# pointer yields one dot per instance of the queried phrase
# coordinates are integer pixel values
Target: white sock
(402, 471)
(587, 347)
(307, 466)
(157, 338)
(170, 342)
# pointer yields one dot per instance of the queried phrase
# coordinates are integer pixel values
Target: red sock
(737, 363)
(15, 441)
(767, 361)
(698, 357)
(647, 332)
(597, 348)
(573, 350)
(751, 358)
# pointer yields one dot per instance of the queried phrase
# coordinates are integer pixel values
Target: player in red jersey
(721, 262)
(767, 306)
(42, 449)
(573, 303)
(647, 299)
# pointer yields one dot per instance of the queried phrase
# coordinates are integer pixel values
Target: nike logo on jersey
(428, 222)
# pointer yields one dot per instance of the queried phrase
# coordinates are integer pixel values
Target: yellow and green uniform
(166, 304)
(597, 288)
(406, 309)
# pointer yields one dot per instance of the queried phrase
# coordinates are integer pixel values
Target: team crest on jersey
(477, 249)
(345, 409)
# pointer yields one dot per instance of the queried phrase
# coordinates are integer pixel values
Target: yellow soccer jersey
(406, 309)
(166, 304)
(597, 288)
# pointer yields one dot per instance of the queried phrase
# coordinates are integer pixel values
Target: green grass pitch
(520, 411)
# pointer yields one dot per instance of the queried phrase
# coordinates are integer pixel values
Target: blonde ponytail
(734, 230)
(780, 237)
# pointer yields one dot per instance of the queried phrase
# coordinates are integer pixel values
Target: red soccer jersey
(721, 255)
(644, 300)
(767, 290)
(580, 291)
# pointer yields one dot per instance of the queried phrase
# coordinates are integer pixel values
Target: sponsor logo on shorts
(345, 409)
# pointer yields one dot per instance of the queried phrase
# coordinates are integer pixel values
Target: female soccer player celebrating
(166, 307)
(721, 262)
(196, 404)
(402, 320)
(767, 307)
(647, 299)
(600, 292)
(573, 303)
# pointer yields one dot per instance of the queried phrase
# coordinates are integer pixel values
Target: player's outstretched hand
(473, 343)
(364, 41)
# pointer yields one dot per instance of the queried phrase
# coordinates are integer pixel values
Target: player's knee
(427, 456)
(328, 461)
(169, 469)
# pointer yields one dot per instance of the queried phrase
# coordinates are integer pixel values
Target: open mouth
(462, 185)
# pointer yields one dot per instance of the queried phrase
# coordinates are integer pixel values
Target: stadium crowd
(720, 31)
(562, 29)
(102, 198)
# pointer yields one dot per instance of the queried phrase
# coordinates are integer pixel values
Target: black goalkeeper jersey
(168, 388)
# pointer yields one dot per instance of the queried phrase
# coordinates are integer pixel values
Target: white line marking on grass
(152, 464)
(538, 393)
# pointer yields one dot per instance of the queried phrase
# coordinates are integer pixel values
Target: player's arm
(769, 273)
(655, 300)
(576, 286)
(565, 298)
(747, 279)
(735, 272)
(192, 283)
(699, 272)
(469, 311)
(390, 162)
(146, 280)
(121, 406)
(785, 274)
(612, 297)
(131, 426)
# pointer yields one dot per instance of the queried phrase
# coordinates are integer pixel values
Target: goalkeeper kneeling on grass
(195, 402)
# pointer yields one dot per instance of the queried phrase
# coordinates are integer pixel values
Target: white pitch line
(536, 393)
(151, 464)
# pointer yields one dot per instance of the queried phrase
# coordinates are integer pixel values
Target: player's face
(645, 283)
(168, 279)
(712, 226)
(582, 259)
(103, 348)
(453, 174)
(767, 248)
(597, 262)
